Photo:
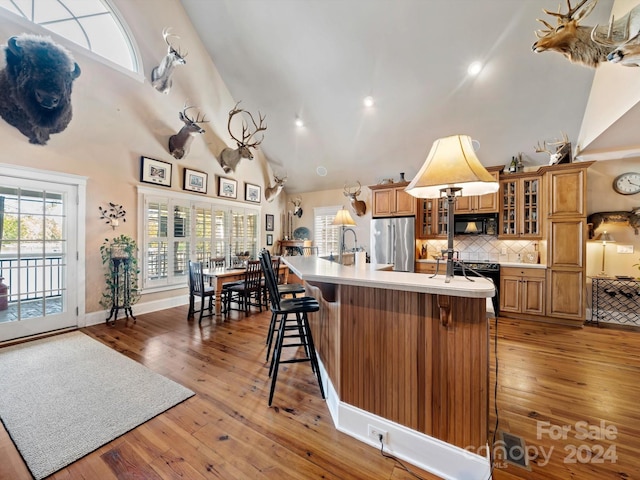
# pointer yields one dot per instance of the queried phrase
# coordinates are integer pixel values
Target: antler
(563, 142)
(543, 148)
(564, 18)
(356, 193)
(278, 180)
(609, 39)
(246, 136)
(166, 33)
(197, 120)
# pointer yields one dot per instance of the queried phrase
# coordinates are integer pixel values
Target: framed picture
(269, 223)
(252, 193)
(227, 187)
(155, 171)
(269, 239)
(195, 181)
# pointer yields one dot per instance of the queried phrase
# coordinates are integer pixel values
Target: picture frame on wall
(154, 171)
(195, 181)
(252, 193)
(227, 187)
(268, 224)
(269, 239)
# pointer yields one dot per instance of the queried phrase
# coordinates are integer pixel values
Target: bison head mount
(35, 86)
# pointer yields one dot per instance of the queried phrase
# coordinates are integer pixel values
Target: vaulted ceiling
(317, 59)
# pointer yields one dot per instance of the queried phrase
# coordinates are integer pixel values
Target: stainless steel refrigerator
(393, 242)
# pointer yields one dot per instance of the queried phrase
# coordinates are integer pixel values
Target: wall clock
(627, 183)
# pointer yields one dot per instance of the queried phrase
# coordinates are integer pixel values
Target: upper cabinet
(488, 203)
(520, 202)
(431, 220)
(390, 200)
(565, 186)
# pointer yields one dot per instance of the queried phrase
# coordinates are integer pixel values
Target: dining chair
(247, 293)
(198, 288)
(293, 330)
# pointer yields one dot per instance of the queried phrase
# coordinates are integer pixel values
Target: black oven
(490, 270)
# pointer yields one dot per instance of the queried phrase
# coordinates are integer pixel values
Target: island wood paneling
(398, 361)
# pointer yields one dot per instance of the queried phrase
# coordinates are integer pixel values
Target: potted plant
(120, 257)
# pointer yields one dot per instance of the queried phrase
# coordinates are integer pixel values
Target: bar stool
(283, 289)
(291, 328)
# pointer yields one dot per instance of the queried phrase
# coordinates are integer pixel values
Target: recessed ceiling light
(474, 68)
(368, 101)
(321, 171)
(299, 122)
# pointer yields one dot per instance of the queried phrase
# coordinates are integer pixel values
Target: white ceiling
(318, 59)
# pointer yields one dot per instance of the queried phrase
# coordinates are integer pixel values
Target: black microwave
(476, 224)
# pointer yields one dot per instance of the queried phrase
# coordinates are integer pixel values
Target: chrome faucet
(355, 242)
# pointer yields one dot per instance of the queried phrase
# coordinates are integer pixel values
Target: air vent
(515, 450)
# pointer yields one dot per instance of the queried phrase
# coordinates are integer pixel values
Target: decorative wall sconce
(113, 214)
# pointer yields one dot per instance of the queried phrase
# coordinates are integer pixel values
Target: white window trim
(80, 52)
(194, 200)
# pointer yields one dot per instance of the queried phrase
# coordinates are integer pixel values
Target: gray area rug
(64, 396)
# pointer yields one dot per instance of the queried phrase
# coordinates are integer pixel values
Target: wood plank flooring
(555, 374)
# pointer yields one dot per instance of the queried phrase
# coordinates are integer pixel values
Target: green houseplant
(121, 251)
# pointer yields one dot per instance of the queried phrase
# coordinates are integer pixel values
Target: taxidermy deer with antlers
(562, 149)
(358, 205)
(272, 192)
(180, 142)
(229, 157)
(297, 206)
(578, 43)
(161, 75)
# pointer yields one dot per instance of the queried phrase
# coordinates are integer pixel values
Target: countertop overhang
(315, 269)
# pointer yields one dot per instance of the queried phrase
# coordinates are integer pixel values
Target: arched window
(92, 24)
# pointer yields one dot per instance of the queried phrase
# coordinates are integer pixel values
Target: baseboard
(95, 318)
(428, 453)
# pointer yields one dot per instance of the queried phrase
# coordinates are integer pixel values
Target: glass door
(38, 257)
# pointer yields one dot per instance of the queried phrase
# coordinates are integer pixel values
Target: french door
(39, 259)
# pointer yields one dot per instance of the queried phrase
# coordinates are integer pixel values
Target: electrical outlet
(375, 432)
(503, 251)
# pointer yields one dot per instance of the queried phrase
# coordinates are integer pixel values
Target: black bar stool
(294, 325)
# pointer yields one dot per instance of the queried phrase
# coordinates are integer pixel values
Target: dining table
(219, 276)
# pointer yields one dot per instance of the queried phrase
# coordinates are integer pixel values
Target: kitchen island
(405, 354)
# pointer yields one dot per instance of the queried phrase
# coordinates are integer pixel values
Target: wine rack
(615, 300)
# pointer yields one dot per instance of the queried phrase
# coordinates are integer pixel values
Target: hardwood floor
(547, 373)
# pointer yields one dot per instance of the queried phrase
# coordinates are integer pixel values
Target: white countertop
(315, 269)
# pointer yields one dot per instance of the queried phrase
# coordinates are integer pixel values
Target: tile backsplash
(484, 247)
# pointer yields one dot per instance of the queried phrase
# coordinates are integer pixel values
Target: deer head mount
(161, 75)
(272, 192)
(588, 46)
(180, 142)
(358, 205)
(561, 152)
(229, 157)
(297, 206)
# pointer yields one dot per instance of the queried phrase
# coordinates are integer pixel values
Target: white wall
(117, 118)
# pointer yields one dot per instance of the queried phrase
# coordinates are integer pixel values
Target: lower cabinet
(522, 290)
(423, 267)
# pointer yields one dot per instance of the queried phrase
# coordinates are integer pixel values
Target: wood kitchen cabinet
(566, 233)
(488, 203)
(522, 290)
(431, 220)
(390, 200)
(520, 206)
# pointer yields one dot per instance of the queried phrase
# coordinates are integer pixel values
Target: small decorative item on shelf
(113, 214)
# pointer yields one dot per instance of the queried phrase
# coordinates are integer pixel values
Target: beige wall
(117, 118)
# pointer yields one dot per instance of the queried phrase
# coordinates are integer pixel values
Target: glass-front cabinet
(520, 207)
(432, 218)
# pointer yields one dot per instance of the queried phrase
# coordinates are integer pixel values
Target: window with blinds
(177, 230)
(326, 235)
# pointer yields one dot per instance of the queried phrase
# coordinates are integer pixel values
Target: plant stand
(120, 290)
